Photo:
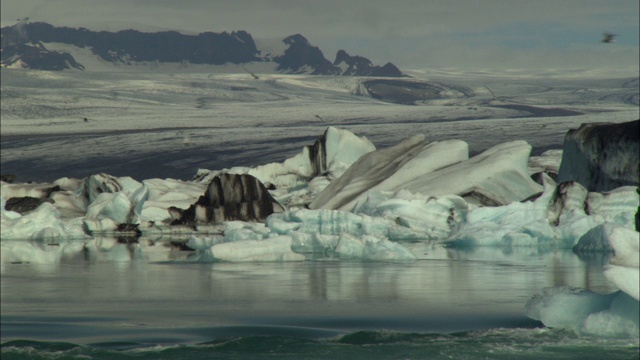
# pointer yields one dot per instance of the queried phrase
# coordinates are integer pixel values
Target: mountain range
(29, 45)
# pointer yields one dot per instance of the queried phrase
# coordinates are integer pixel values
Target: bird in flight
(608, 38)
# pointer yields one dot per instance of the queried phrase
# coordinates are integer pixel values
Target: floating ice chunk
(70, 183)
(69, 203)
(164, 193)
(328, 222)
(240, 230)
(43, 224)
(557, 218)
(129, 184)
(272, 249)
(548, 161)
(342, 147)
(566, 307)
(595, 240)
(201, 243)
(37, 252)
(497, 176)
(620, 320)
(9, 190)
(370, 248)
(114, 206)
(573, 225)
(612, 315)
(100, 183)
(625, 278)
(624, 269)
(617, 206)
(314, 243)
(433, 216)
(109, 249)
(516, 224)
(350, 247)
(99, 226)
(390, 169)
(336, 222)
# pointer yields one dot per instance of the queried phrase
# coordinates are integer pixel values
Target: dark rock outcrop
(229, 197)
(301, 56)
(602, 157)
(38, 57)
(8, 178)
(361, 66)
(25, 204)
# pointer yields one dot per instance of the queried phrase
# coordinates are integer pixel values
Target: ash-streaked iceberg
(602, 157)
(498, 176)
(229, 197)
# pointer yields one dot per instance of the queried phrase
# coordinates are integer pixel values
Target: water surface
(449, 302)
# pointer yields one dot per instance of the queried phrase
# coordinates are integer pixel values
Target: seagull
(252, 74)
(607, 38)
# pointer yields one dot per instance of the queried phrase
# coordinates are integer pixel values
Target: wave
(521, 343)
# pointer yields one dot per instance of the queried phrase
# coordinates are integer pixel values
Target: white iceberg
(585, 312)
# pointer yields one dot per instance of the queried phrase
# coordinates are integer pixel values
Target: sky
(413, 34)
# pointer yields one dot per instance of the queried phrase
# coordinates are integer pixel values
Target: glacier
(342, 199)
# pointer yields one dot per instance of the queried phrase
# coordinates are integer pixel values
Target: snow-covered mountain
(44, 46)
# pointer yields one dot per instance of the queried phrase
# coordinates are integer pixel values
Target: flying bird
(608, 38)
(252, 74)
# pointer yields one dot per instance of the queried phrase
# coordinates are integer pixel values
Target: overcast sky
(413, 34)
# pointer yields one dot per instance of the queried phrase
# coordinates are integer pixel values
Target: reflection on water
(87, 296)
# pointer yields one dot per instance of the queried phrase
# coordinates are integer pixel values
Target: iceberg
(44, 224)
(602, 157)
(610, 315)
(498, 176)
(585, 312)
(272, 249)
(338, 198)
(564, 216)
(341, 199)
(229, 197)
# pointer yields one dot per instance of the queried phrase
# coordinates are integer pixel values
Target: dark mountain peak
(388, 70)
(343, 56)
(296, 39)
(27, 42)
(36, 56)
(361, 66)
(301, 57)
